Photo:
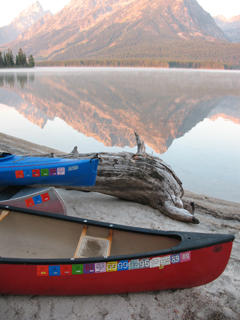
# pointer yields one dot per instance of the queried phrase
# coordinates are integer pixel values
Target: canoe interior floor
(36, 237)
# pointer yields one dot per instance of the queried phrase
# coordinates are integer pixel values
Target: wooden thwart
(90, 246)
(84, 231)
(110, 242)
(4, 214)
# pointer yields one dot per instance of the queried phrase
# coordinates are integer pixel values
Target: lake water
(189, 118)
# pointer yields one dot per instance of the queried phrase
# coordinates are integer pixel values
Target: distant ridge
(231, 27)
(22, 22)
(128, 29)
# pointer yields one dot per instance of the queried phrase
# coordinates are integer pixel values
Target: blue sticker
(27, 173)
(54, 270)
(37, 199)
(122, 265)
(175, 258)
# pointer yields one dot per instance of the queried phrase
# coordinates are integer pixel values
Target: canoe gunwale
(189, 240)
(46, 162)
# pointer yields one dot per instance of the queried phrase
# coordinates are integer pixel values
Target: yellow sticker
(112, 266)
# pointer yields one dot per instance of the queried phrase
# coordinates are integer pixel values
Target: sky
(11, 8)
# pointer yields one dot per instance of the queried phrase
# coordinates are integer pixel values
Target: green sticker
(77, 269)
(44, 173)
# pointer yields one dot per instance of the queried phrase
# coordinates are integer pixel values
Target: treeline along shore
(138, 63)
(7, 60)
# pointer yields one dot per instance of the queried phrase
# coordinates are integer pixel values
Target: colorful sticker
(175, 258)
(112, 266)
(52, 172)
(100, 267)
(27, 173)
(54, 270)
(77, 269)
(186, 256)
(155, 262)
(19, 174)
(72, 168)
(133, 264)
(165, 261)
(66, 270)
(61, 171)
(29, 202)
(44, 173)
(45, 197)
(88, 268)
(37, 199)
(42, 271)
(144, 263)
(122, 265)
(36, 173)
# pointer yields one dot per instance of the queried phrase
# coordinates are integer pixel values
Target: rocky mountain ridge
(103, 28)
(231, 27)
(22, 22)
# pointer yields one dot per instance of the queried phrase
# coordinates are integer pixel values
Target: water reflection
(99, 110)
(10, 78)
(109, 105)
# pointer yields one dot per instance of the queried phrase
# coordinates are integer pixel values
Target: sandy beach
(217, 300)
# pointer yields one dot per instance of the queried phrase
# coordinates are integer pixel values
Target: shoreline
(20, 146)
(216, 300)
(139, 63)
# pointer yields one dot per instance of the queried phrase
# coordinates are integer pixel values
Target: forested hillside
(165, 30)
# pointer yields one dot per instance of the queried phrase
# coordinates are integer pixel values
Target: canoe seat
(89, 246)
(4, 214)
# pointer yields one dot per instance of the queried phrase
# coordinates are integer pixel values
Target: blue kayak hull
(23, 170)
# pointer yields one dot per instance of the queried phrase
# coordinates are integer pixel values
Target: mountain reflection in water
(109, 104)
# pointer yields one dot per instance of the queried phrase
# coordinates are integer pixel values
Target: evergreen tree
(24, 60)
(31, 62)
(1, 60)
(9, 59)
(21, 60)
(4, 60)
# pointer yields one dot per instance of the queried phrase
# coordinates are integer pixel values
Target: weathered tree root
(143, 179)
(140, 178)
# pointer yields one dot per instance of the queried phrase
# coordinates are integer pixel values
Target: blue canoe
(26, 170)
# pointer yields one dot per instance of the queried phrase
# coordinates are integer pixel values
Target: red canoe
(49, 254)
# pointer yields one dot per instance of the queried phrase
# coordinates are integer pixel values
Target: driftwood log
(136, 177)
(140, 178)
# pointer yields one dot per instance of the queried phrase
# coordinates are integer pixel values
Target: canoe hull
(175, 271)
